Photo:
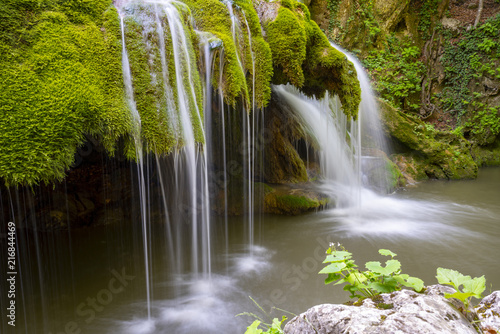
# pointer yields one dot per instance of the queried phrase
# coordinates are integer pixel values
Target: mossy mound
(161, 89)
(292, 200)
(303, 56)
(60, 77)
(437, 154)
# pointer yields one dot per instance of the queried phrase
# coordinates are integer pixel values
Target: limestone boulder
(488, 312)
(399, 312)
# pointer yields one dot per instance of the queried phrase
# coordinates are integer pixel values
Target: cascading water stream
(341, 143)
(190, 160)
(325, 127)
(136, 133)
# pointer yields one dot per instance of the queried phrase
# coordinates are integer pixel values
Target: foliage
(471, 287)
(268, 328)
(466, 58)
(377, 279)
(485, 123)
(273, 328)
(426, 13)
(397, 71)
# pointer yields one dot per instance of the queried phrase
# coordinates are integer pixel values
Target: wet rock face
(432, 153)
(403, 311)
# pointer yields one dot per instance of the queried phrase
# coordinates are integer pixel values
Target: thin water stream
(95, 279)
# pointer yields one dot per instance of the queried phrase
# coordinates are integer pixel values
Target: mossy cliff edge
(61, 74)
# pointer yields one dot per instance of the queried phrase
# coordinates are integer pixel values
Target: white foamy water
(388, 217)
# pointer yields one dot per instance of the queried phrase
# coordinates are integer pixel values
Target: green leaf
(451, 277)
(476, 286)
(333, 268)
(332, 277)
(253, 328)
(387, 252)
(410, 282)
(337, 257)
(391, 266)
(459, 295)
(356, 278)
(383, 287)
(276, 326)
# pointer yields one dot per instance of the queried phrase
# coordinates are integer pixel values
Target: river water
(92, 279)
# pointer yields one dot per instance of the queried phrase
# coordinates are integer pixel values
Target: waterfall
(136, 133)
(369, 120)
(334, 138)
(346, 149)
(166, 236)
(183, 176)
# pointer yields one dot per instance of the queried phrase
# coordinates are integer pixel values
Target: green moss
(324, 62)
(58, 81)
(488, 155)
(157, 96)
(303, 56)
(212, 16)
(295, 202)
(438, 154)
(292, 204)
(287, 38)
(261, 53)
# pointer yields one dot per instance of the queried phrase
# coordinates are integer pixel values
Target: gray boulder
(399, 312)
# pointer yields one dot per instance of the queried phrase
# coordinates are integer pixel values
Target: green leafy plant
(378, 279)
(397, 71)
(274, 328)
(487, 45)
(466, 58)
(471, 287)
(259, 326)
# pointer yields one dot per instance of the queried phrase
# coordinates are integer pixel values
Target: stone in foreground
(399, 312)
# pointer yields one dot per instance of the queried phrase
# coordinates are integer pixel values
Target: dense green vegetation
(377, 279)
(397, 71)
(468, 59)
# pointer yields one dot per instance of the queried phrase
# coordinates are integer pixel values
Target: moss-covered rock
(488, 155)
(384, 175)
(285, 200)
(438, 154)
(303, 56)
(60, 77)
